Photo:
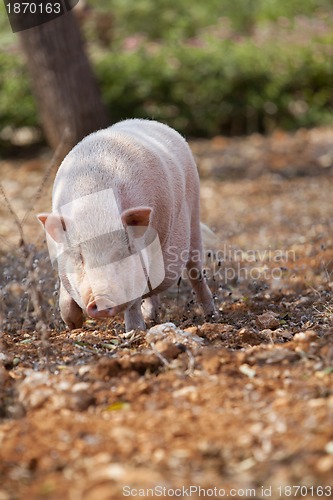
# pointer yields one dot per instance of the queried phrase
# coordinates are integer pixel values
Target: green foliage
(203, 67)
(17, 106)
(165, 19)
(221, 87)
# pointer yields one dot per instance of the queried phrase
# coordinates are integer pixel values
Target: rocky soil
(242, 407)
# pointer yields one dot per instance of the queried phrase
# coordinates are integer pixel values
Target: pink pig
(125, 222)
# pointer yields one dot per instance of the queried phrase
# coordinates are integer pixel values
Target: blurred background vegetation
(204, 67)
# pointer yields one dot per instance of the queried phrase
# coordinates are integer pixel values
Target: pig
(125, 222)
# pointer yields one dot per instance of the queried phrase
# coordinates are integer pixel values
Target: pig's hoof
(212, 317)
(74, 324)
(150, 310)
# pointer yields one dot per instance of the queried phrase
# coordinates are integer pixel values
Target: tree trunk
(64, 85)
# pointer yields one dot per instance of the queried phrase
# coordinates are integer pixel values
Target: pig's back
(145, 163)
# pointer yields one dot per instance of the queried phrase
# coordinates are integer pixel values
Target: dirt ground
(240, 408)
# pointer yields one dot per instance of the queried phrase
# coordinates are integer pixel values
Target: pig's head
(104, 266)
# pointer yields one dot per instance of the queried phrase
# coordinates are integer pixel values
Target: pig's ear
(54, 225)
(136, 219)
(138, 216)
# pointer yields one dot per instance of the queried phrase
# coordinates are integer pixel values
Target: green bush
(179, 19)
(193, 71)
(221, 87)
(17, 105)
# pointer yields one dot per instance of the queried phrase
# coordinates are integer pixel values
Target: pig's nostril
(99, 307)
(92, 309)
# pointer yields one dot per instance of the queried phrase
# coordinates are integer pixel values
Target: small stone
(168, 350)
(247, 370)
(192, 330)
(248, 336)
(325, 464)
(306, 336)
(329, 447)
(268, 320)
(185, 391)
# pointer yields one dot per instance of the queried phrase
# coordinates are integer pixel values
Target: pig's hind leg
(150, 309)
(195, 274)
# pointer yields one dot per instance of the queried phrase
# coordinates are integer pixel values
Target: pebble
(268, 320)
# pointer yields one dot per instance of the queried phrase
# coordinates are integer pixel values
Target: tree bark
(63, 82)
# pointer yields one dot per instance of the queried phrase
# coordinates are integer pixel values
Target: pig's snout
(101, 308)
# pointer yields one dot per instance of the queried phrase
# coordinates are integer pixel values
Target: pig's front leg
(70, 312)
(133, 317)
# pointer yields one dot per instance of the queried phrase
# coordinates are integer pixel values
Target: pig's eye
(79, 255)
